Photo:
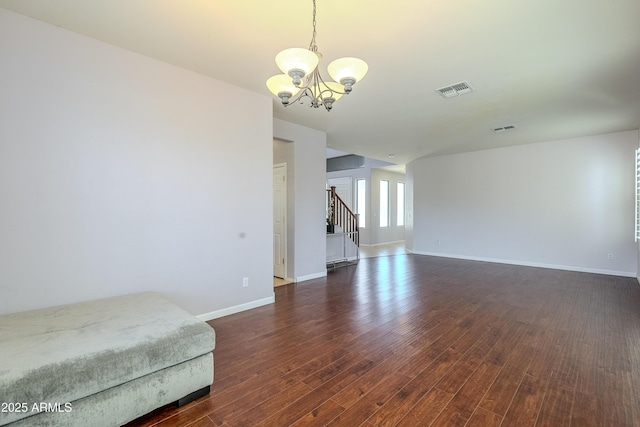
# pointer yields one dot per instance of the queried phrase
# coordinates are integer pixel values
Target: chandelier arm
(326, 85)
(298, 98)
(307, 92)
(310, 81)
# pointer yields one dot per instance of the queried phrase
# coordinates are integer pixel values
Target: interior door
(280, 220)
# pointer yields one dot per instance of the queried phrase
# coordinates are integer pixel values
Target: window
(384, 203)
(361, 198)
(400, 204)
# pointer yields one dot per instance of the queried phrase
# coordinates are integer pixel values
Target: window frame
(400, 219)
(386, 205)
(362, 216)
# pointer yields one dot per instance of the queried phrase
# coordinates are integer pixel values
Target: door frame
(284, 217)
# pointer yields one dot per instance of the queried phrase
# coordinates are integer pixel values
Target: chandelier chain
(312, 46)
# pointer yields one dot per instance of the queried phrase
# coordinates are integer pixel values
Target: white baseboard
(342, 260)
(237, 308)
(533, 264)
(311, 276)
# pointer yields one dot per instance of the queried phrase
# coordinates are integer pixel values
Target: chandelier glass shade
(282, 86)
(301, 78)
(297, 62)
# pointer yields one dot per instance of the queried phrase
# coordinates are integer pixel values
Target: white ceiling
(554, 69)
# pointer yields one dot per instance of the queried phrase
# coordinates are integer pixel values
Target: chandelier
(301, 78)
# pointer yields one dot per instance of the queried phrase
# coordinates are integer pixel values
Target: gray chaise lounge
(101, 363)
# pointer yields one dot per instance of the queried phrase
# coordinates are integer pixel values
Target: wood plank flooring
(412, 340)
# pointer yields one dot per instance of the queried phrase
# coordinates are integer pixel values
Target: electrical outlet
(245, 282)
(610, 256)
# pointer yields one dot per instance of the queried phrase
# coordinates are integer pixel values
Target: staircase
(343, 240)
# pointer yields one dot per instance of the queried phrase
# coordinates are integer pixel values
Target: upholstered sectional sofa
(101, 363)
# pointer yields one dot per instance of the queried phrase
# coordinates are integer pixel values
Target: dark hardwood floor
(412, 340)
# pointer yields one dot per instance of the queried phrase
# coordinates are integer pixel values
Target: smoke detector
(456, 89)
(504, 129)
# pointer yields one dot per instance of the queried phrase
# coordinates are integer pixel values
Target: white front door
(344, 189)
(280, 220)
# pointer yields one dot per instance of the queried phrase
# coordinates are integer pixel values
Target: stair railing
(340, 214)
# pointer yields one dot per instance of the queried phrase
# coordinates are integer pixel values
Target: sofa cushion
(61, 354)
(118, 405)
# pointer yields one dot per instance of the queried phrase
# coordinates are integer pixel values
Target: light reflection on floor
(388, 274)
(383, 282)
(395, 248)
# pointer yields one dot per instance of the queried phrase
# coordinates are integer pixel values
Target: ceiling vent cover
(455, 90)
(504, 129)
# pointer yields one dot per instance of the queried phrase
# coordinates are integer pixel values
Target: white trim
(404, 204)
(637, 199)
(532, 264)
(237, 308)
(380, 199)
(356, 209)
(311, 276)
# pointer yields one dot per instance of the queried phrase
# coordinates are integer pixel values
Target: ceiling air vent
(504, 129)
(455, 90)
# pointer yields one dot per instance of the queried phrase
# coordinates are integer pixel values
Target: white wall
(120, 173)
(563, 204)
(306, 211)
(408, 226)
